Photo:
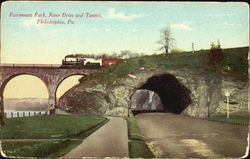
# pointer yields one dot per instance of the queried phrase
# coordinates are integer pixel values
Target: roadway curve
(180, 136)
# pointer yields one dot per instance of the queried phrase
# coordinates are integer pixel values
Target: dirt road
(111, 140)
(179, 136)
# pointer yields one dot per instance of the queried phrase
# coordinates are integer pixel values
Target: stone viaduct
(51, 75)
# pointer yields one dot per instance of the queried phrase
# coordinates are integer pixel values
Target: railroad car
(88, 61)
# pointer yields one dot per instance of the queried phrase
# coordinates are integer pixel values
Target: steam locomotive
(88, 61)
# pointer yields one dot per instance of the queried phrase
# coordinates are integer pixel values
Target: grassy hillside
(65, 127)
(234, 64)
(46, 127)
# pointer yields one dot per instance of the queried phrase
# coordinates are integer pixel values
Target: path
(179, 136)
(111, 140)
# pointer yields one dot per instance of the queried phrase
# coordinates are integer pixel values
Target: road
(111, 140)
(178, 136)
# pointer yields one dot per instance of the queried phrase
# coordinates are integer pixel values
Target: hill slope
(108, 90)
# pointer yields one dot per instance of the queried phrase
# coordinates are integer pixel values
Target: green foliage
(133, 130)
(118, 71)
(47, 127)
(52, 126)
(234, 64)
(138, 149)
(240, 119)
(39, 149)
(215, 55)
(177, 50)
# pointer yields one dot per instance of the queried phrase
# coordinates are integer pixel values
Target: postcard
(130, 79)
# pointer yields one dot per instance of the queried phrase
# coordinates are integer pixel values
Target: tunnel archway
(174, 95)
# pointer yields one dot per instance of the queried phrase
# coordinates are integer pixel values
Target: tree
(215, 55)
(166, 39)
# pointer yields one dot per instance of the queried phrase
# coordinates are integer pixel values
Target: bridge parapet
(30, 65)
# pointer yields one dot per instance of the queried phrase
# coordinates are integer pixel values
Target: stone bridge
(51, 75)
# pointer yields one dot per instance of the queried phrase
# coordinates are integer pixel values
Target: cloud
(101, 29)
(231, 24)
(96, 29)
(135, 30)
(181, 26)
(225, 24)
(107, 29)
(221, 15)
(112, 14)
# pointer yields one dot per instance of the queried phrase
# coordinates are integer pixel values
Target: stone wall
(207, 93)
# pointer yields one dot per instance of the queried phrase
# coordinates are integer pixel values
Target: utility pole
(192, 47)
(227, 94)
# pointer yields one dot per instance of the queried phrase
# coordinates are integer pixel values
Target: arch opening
(175, 97)
(23, 93)
(66, 84)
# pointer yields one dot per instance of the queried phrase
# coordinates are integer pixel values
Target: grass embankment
(137, 147)
(52, 149)
(234, 64)
(47, 127)
(114, 73)
(239, 118)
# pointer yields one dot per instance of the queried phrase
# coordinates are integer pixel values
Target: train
(89, 61)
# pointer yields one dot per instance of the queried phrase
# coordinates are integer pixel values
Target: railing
(24, 114)
(30, 65)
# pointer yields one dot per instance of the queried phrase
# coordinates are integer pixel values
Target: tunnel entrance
(175, 97)
(144, 100)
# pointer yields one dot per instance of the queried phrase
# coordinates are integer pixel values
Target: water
(23, 113)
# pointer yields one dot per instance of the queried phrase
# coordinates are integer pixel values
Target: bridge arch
(8, 79)
(51, 75)
(63, 79)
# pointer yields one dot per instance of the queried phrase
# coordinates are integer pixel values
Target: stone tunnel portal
(175, 97)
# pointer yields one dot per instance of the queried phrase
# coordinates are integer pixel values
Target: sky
(107, 27)
(118, 26)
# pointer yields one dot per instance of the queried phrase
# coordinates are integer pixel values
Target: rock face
(92, 99)
(206, 93)
(146, 100)
(238, 97)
